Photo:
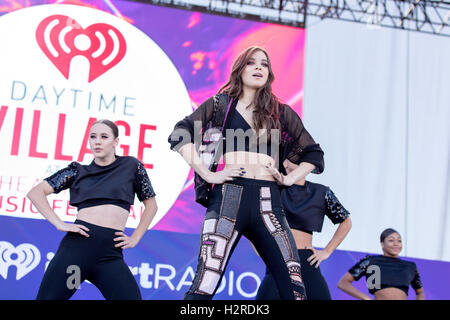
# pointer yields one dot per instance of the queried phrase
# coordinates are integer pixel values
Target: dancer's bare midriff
(390, 294)
(254, 164)
(105, 215)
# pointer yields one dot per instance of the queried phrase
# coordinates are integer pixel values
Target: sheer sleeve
(302, 147)
(183, 132)
(143, 186)
(334, 209)
(416, 282)
(64, 178)
(360, 268)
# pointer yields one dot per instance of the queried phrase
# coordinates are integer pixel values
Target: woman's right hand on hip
(224, 175)
(77, 228)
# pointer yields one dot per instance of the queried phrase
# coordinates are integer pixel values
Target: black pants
(251, 208)
(94, 259)
(315, 284)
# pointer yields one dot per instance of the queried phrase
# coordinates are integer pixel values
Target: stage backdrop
(145, 67)
(65, 65)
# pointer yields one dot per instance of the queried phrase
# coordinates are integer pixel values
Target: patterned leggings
(251, 208)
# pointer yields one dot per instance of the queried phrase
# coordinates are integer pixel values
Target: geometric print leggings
(251, 208)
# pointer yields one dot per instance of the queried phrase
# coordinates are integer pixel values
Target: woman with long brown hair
(259, 132)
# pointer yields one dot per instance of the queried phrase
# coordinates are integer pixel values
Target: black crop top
(394, 273)
(241, 137)
(305, 206)
(296, 144)
(92, 185)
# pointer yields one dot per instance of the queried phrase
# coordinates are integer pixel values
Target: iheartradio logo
(99, 66)
(25, 257)
(61, 38)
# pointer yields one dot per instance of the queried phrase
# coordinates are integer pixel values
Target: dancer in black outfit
(388, 276)
(92, 248)
(305, 204)
(245, 199)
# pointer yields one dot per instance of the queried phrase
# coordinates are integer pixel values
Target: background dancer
(395, 274)
(103, 191)
(305, 204)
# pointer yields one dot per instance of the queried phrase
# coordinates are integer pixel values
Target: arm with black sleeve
(300, 149)
(187, 133)
(56, 183)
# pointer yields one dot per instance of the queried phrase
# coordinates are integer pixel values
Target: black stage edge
(221, 309)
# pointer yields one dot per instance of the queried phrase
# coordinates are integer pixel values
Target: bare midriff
(390, 294)
(302, 239)
(254, 164)
(105, 215)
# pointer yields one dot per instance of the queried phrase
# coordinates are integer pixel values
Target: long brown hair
(267, 106)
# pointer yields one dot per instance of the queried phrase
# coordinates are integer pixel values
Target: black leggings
(96, 259)
(315, 284)
(251, 208)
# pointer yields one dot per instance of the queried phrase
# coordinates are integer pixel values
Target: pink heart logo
(61, 38)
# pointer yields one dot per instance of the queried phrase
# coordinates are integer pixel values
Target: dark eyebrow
(263, 60)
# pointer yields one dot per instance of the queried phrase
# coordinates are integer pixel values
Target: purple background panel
(162, 260)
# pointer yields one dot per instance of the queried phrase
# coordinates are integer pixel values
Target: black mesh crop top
(296, 144)
(241, 137)
(305, 206)
(92, 185)
(393, 273)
